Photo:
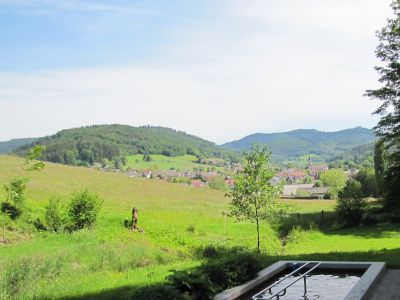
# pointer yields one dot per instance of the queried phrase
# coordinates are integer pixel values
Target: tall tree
(254, 197)
(379, 165)
(335, 179)
(388, 128)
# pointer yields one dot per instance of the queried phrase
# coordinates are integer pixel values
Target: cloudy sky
(216, 69)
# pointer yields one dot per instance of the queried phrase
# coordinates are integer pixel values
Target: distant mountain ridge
(11, 145)
(292, 144)
(93, 144)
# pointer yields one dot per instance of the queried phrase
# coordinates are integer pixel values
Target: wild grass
(182, 227)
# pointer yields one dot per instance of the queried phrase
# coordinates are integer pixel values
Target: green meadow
(162, 162)
(179, 222)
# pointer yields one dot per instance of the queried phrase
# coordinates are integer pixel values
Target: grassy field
(162, 162)
(110, 261)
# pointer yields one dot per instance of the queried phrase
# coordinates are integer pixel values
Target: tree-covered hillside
(87, 145)
(292, 144)
(11, 145)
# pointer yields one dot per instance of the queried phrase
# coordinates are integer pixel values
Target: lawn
(110, 261)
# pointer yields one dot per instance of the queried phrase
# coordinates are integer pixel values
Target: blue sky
(42, 35)
(216, 69)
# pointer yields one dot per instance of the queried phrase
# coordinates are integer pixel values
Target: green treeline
(93, 144)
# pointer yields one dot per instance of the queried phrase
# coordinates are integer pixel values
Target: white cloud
(77, 5)
(260, 66)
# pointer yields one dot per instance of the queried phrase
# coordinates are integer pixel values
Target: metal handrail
(282, 292)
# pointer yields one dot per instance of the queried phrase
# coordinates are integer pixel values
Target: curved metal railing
(263, 295)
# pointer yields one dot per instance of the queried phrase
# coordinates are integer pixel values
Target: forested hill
(11, 145)
(87, 145)
(292, 144)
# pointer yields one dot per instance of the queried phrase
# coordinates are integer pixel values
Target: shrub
(53, 216)
(318, 183)
(217, 183)
(233, 270)
(13, 211)
(351, 206)
(39, 225)
(83, 210)
(194, 284)
(158, 292)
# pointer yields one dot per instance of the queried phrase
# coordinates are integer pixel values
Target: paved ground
(388, 288)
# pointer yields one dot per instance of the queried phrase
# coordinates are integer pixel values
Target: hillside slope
(87, 145)
(289, 145)
(11, 145)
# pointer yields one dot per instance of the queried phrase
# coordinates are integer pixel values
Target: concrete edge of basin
(263, 275)
(364, 286)
(360, 291)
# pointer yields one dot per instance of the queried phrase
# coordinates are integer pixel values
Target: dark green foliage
(388, 128)
(359, 156)
(379, 165)
(87, 145)
(227, 268)
(351, 205)
(290, 145)
(195, 284)
(369, 187)
(233, 270)
(11, 210)
(159, 291)
(392, 182)
(209, 251)
(83, 210)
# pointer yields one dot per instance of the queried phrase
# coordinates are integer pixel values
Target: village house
(230, 183)
(315, 171)
(197, 183)
(292, 190)
(315, 192)
(133, 173)
(292, 176)
(146, 174)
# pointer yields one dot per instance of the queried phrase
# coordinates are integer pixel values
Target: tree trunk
(258, 236)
